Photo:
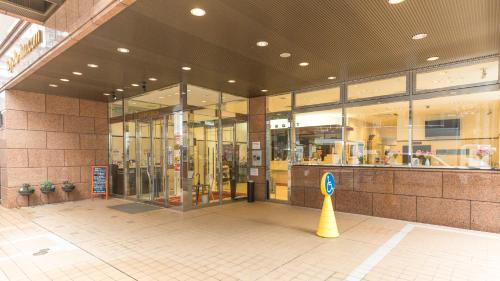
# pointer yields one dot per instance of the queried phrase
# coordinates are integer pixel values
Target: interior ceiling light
(304, 64)
(64, 80)
(134, 85)
(198, 12)
(92, 65)
(123, 50)
(432, 58)
(77, 73)
(264, 90)
(186, 68)
(262, 43)
(203, 101)
(231, 81)
(393, 2)
(53, 85)
(106, 94)
(285, 55)
(332, 78)
(419, 36)
(119, 90)
(152, 79)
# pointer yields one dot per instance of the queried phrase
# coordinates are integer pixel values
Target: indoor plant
(26, 189)
(46, 187)
(68, 186)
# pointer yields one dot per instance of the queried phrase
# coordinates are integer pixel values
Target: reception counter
(459, 198)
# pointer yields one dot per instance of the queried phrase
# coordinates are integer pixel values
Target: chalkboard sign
(100, 180)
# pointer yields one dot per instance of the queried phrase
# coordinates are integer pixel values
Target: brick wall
(52, 138)
(464, 199)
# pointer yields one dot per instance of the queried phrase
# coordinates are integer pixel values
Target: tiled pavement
(86, 240)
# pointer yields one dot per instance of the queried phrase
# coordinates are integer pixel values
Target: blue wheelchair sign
(328, 184)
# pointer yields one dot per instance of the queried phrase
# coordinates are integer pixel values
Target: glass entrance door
(279, 156)
(153, 168)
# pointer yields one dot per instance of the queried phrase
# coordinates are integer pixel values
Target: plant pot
(26, 192)
(47, 191)
(68, 189)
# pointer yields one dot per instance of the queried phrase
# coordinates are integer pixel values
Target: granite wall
(257, 133)
(457, 198)
(54, 138)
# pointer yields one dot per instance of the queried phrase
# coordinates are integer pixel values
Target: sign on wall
(100, 180)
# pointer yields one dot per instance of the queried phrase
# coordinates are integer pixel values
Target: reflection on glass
(319, 137)
(456, 76)
(377, 134)
(377, 88)
(278, 138)
(461, 131)
(323, 96)
(279, 103)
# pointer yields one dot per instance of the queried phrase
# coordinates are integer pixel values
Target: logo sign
(24, 50)
(327, 184)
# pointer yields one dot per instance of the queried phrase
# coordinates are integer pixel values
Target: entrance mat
(134, 208)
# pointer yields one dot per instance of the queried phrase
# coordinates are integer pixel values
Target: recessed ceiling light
(395, 1)
(77, 73)
(152, 79)
(134, 85)
(285, 55)
(119, 90)
(53, 85)
(199, 12)
(106, 94)
(419, 36)
(332, 78)
(92, 65)
(203, 101)
(231, 81)
(304, 64)
(186, 68)
(264, 90)
(123, 50)
(262, 43)
(161, 97)
(64, 80)
(432, 58)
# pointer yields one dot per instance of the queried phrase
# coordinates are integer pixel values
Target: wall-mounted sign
(254, 172)
(100, 180)
(256, 157)
(256, 145)
(24, 50)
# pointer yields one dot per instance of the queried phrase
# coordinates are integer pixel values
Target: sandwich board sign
(100, 181)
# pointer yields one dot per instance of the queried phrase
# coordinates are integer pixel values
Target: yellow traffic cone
(327, 226)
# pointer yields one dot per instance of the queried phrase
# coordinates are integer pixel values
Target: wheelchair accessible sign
(327, 184)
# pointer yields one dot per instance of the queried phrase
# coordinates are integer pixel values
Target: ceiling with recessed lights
(345, 39)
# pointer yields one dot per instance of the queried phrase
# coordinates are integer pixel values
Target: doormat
(134, 208)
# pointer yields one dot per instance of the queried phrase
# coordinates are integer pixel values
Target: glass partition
(377, 88)
(377, 134)
(323, 96)
(319, 137)
(457, 131)
(279, 103)
(481, 72)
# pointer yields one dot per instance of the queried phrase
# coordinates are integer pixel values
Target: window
(318, 97)
(279, 103)
(319, 137)
(458, 76)
(377, 134)
(458, 131)
(377, 88)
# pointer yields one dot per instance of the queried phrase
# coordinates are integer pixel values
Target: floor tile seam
(87, 251)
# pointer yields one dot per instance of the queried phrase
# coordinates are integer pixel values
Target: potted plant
(68, 186)
(26, 189)
(47, 187)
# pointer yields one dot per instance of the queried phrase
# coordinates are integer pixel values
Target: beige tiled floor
(85, 240)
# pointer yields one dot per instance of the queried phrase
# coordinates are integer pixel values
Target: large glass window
(457, 131)
(322, 96)
(279, 103)
(377, 134)
(377, 88)
(319, 137)
(458, 76)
